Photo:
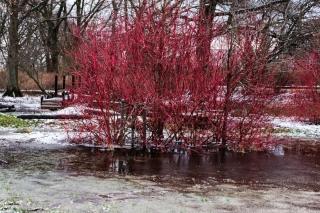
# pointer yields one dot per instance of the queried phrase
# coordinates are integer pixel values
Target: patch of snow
(296, 129)
(32, 104)
(37, 135)
(47, 131)
(283, 99)
(71, 110)
(25, 103)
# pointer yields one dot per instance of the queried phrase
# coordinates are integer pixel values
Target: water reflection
(264, 168)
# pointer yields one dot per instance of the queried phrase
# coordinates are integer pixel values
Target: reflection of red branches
(146, 83)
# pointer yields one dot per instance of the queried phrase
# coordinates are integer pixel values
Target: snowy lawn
(43, 131)
(289, 127)
(27, 103)
(49, 132)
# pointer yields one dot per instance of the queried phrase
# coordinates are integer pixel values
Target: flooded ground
(54, 178)
(40, 173)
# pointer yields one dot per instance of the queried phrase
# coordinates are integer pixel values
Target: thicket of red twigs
(152, 81)
(308, 100)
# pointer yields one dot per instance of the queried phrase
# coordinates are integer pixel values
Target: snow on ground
(41, 135)
(289, 127)
(71, 110)
(31, 104)
(27, 103)
(285, 127)
(46, 132)
(283, 99)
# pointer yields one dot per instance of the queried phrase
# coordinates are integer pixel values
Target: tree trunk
(52, 43)
(13, 89)
(206, 15)
(159, 128)
(126, 16)
(229, 90)
(114, 16)
(224, 131)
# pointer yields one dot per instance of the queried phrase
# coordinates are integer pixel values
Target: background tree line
(35, 35)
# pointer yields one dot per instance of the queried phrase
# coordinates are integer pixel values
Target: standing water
(81, 179)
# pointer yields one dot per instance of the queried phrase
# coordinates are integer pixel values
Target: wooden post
(63, 96)
(56, 85)
(73, 79)
(64, 82)
(122, 111)
(144, 130)
(132, 130)
(79, 82)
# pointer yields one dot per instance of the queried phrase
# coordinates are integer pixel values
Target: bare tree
(24, 23)
(51, 18)
(289, 30)
(87, 11)
(14, 8)
(3, 31)
(18, 10)
(32, 52)
(3, 19)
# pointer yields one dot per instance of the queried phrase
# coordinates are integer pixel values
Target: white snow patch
(47, 131)
(283, 99)
(296, 129)
(71, 110)
(41, 136)
(26, 102)
(30, 104)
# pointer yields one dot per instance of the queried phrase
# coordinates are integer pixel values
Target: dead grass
(26, 83)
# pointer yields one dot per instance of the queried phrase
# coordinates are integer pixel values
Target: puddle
(291, 170)
(53, 178)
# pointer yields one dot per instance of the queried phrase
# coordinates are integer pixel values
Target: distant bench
(54, 103)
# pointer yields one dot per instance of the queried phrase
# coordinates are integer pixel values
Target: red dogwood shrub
(246, 90)
(308, 99)
(143, 83)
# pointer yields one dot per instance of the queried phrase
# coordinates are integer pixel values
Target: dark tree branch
(252, 9)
